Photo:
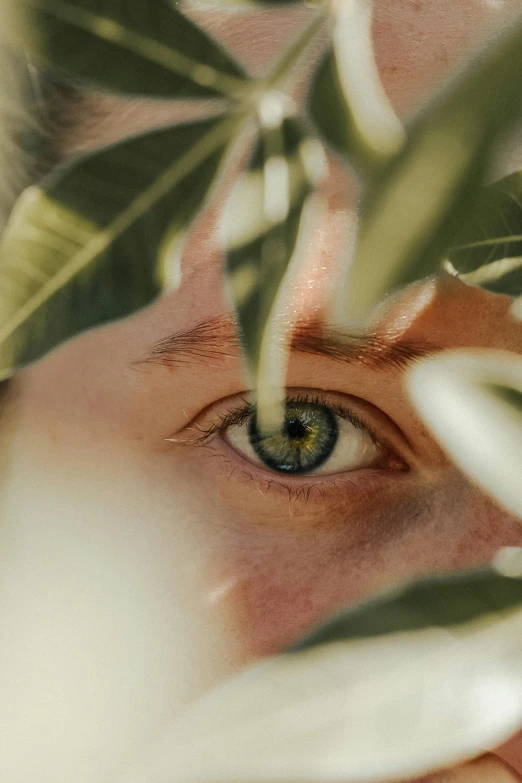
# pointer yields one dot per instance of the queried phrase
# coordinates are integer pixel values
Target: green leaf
(443, 602)
(89, 244)
(512, 396)
(488, 251)
(415, 209)
(261, 225)
(144, 47)
(472, 402)
(347, 100)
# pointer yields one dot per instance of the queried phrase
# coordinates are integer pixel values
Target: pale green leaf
(488, 251)
(145, 47)
(347, 100)
(89, 244)
(415, 209)
(261, 224)
(404, 704)
(472, 402)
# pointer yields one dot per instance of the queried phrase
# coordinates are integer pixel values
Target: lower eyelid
(289, 501)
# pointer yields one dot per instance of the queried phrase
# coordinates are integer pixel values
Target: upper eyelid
(233, 417)
(214, 427)
(240, 414)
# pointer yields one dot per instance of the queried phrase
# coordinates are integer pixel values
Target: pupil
(307, 439)
(295, 429)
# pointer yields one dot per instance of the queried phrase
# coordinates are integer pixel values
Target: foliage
(472, 402)
(347, 100)
(260, 245)
(488, 250)
(72, 256)
(101, 236)
(417, 205)
(443, 602)
(153, 49)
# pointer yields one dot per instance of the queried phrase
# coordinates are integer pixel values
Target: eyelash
(234, 417)
(337, 488)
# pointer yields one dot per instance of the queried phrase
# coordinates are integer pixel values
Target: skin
(99, 449)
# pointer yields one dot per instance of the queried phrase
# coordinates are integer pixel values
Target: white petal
(454, 394)
(396, 706)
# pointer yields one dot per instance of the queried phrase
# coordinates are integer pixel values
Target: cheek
(282, 582)
(487, 769)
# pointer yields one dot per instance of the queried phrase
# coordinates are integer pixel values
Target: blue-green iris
(307, 439)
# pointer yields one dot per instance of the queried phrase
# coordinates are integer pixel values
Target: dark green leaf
(443, 602)
(260, 245)
(145, 47)
(488, 251)
(89, 245)
(512, 396)
(417, 206)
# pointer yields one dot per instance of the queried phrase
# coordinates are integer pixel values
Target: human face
(165, 562)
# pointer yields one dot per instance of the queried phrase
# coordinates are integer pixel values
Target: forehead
(254, 35)
(417, 43)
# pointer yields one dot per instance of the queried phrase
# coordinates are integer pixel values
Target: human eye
(317, 437)
(321, 435)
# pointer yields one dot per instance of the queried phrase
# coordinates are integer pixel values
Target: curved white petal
(396, 706)
(372, 111)
(455, 394)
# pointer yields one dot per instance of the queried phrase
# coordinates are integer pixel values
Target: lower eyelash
(307, 486)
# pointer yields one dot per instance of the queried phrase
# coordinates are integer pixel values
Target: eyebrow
(218, 339)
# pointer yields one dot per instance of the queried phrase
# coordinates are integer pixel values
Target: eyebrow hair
(218, 339)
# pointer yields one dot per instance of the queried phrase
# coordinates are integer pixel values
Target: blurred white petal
(372, 111)
(397, 706)
(454, 393)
